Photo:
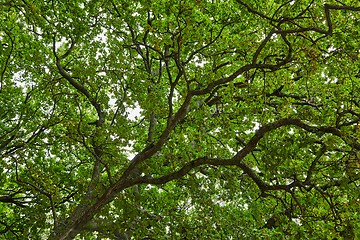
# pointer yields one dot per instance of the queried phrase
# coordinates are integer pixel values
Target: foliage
(179, 119)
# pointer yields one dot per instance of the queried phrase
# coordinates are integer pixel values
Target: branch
(86, 214)
(262, 45)
(250, 146)
(11, 199)
(8, 228)
(256, 12)
(152, 149)
(245, 68)
(313, 164)
(7, 60)
(327, 8)
(74, 83)
(225, 80)
(208, 44)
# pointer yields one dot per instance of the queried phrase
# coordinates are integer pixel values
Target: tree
(179, 119)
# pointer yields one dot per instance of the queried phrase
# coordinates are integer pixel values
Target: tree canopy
(179, 119)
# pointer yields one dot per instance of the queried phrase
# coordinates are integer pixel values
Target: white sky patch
(198, 63)
(293, 109)
(46, 70)
(129, 150)
(134, 113)
(221, 203)
(204, 186)
(256, 127)
(176, 96)
(331, 80)
(201, 176)
(19, 77)
(101, 73)
(189, 205)
(297, 221)
(39, 31)
(148, 187)
(232, 151)
(291, 132)
(112, 102)
(101, 37)
(261, 37)
(8, 161)
(289, 181)
(59, 44)
(217, 130)
(330, 49)
(113, 137)
(47, 109)
(246, 206)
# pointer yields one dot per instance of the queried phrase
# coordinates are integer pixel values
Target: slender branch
(208, 44)
(256, 12)
(53, 210)
(74, 83)
(313, 165)
(262, 45)
(7, 60)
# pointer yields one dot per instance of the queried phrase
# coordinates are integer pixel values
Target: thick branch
(237, 159)
(127, 180)
(12, 199)
(124, 182)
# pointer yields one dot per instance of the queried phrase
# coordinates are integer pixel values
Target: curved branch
(256, 12)
(250, 146)
(208, 44)
(75, 84)
(124, 182)
(6, 61)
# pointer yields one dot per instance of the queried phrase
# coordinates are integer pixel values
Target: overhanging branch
(250, 146)
(74, 83)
